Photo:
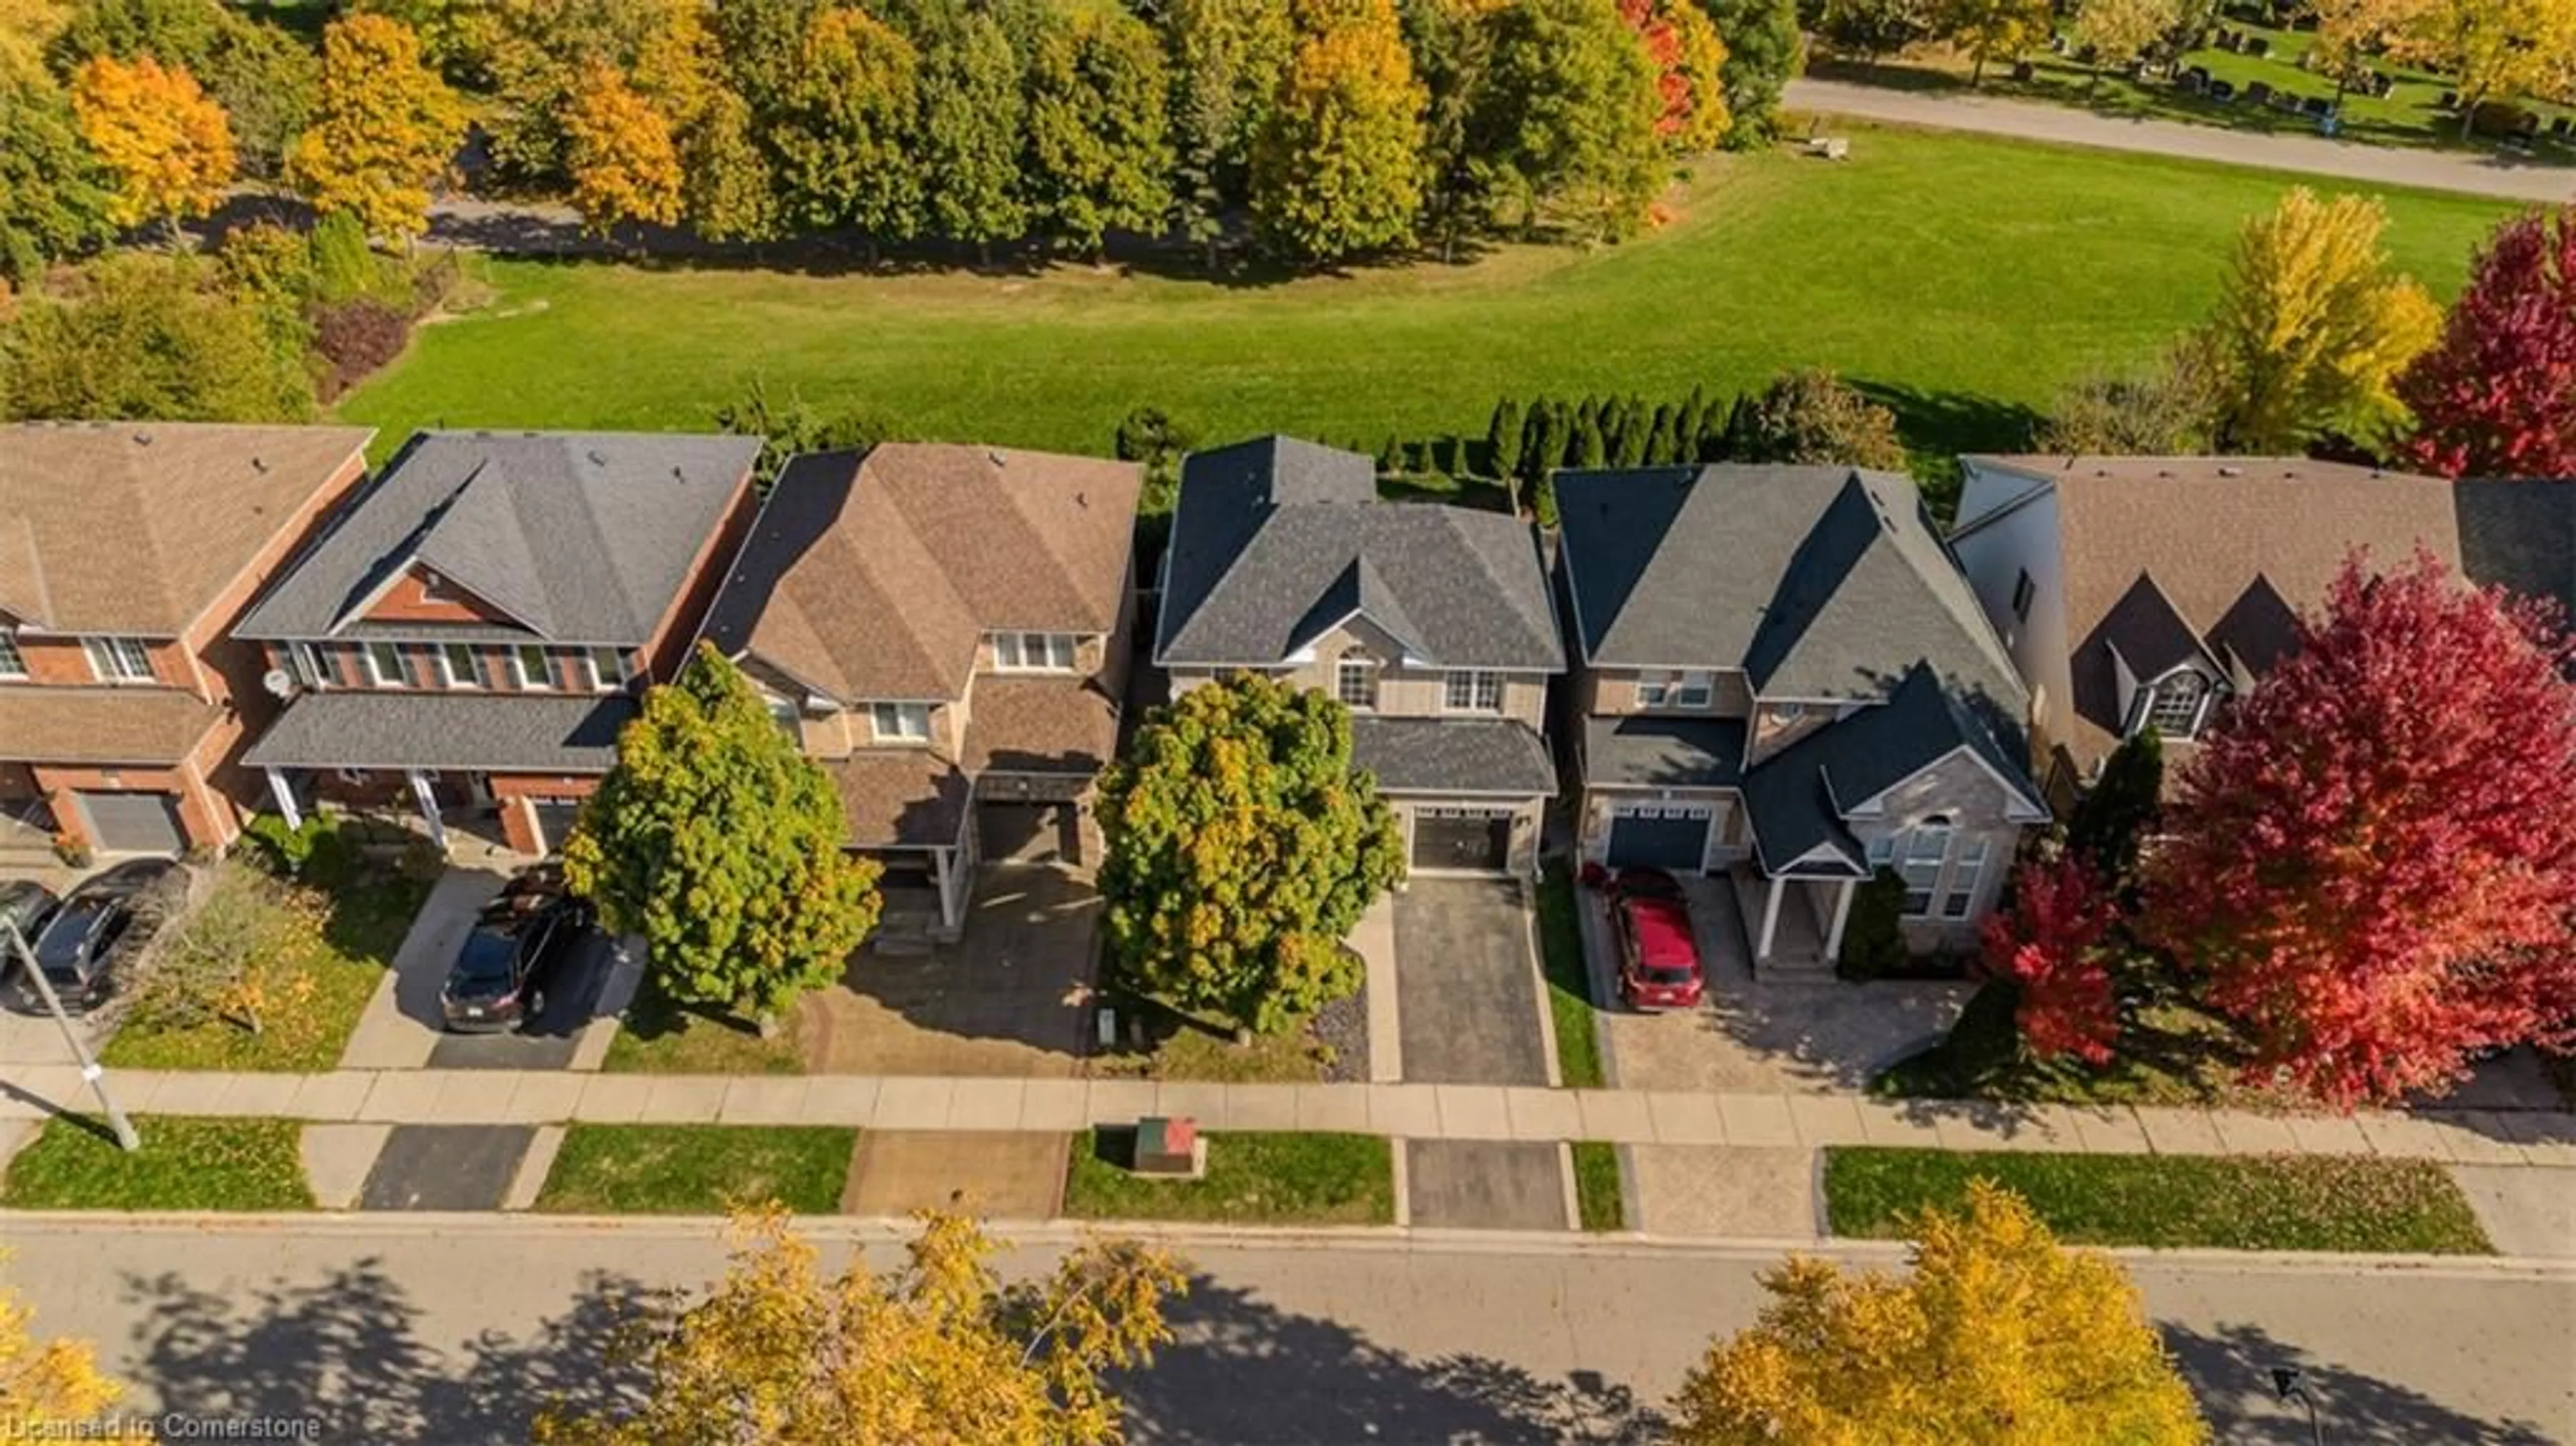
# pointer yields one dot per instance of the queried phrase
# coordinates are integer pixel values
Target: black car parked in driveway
(87, 939)
(518, 946)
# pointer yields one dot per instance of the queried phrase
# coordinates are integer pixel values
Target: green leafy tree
(846, 140)
(1337, 171)
(1764, 52)
(970, 137)
(2172, 411)
(54, 197)
(1243, 844)
(1452, 42)
(1228, 57)
(1503, 439)
(1989, 29)
(1100, 154)
(1872, 30)
(183, 33)
(763, 45)
(720, 843)
(2120, 810)
(727, 185)
(1810, 416)
(1591, 449)
(1570, 122)
(147, 337)
(1542, 446)
(1873, 932)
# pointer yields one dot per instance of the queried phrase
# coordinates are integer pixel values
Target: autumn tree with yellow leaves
(624, 160)
(2313, 326)
(1995, 1335)
(384, 128)
(53, 1390)
(160, 135)
(937, 1353)
(2493, 50)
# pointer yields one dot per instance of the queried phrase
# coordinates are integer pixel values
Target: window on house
(606, 667)
(1965, 875)
(2023, 588)
(1474, 692)
(118, 660)
(2173, 707)
(1033, 652)
(785, 714)
(385, 665)
(13, 664)
(1666, 688)
(1355, 683)
(901, 722)
(1919, 864)
(529, 664)
(456, 666)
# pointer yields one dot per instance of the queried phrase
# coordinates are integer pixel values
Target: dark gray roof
(2150, 633)
(1495, 756)
(584, 537)
(1818, 582)
(516, 732)
(2520, 535)
(1277, 539)
(1647, 750)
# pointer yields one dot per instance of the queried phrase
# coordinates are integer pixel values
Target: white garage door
(133, 823)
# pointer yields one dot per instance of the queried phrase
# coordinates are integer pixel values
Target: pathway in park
(2483, 175)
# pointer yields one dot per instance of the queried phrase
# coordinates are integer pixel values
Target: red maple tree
(1664, 47)
(2496, 396)
(2371, 861)
(2051, 944)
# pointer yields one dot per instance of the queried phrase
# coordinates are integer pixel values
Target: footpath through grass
(186, 1163)
(1253, 1178)
(1569, 982)
(1960, 279)
(2346, 1203)
(698, 1169)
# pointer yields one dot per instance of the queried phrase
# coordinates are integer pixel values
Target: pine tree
(1591, 449)
(1661, 450)
(1503, 440)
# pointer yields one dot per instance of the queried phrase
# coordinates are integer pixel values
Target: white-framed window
(532, 669)
(2023, 590)
(13, 663)
(456, 667)
(1033, 652)
(1473, 691)
(1966, 873)
(606, 668)
(900, 722)
(1665, 688)
(118, 660)
(385, 666)
(784, 713)
(2173, 706)
(1355, 683)
(1919, 864)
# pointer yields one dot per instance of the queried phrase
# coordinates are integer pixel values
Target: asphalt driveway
(446, 1167)
(548, 1041)
(1466, 986)
(1486, 1184)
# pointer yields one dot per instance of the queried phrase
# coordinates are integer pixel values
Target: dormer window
(1665, 688)
(2174, 706)
(1033, 652)
(1355, 683)
(13, 663)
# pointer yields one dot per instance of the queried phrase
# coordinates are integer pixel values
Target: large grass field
(1963, 279)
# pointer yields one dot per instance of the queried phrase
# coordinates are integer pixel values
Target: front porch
(459, 814)
(1795, 924)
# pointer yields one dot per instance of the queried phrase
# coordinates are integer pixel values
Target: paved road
(2066, 125)
(389, 1332)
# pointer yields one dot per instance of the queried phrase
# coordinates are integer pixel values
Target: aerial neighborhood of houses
(1788, 677)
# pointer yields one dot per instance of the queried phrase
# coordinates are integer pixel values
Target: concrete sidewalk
(1410, 1111)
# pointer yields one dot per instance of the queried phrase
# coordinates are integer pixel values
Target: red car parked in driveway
(1659, 965)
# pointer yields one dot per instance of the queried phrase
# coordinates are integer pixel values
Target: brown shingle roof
(1041, 725)
(2216, 534)
(135, 527)
(874, 575)
(101, 725)
(910, 797)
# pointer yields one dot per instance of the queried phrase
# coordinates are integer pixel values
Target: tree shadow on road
(345, 1352)
(2230, 1371)
(1244, 1372)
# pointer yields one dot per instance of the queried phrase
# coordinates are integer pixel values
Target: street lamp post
(2291, 1384)
(90, 1069)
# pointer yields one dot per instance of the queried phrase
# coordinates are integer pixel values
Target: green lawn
(1252, 1179)
(698, 1169)
(1596, 1185)
(1569, 983)
(338, 944)
(2357, 1203)
(660, 1036)
(2169, 1054)
(185, 1163)
(1961, 279)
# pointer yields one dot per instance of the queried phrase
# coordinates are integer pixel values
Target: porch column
(1770, 920)
(943, 872)
(1842, 914)
(284, 793)
(427, 794)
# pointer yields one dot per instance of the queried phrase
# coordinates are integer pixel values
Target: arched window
(2173, 708)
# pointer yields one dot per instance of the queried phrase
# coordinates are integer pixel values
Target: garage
(133, 823)
(1462, 839)
(555, 818)
(1030, 833)
(1659, 835)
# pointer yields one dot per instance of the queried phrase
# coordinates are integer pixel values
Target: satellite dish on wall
(279, 682)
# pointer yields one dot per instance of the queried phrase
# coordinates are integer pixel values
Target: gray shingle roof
(2520, 535)
(1495, 756)
(1276, 539)
(583, 537)
(514, 732)
(1649, 750)
(1818, 582)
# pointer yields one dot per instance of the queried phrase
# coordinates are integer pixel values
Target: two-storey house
(945, 628)
(127, 550)
(2138, 593)
(1433, 623)
(1781, 676)
(474, 629)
